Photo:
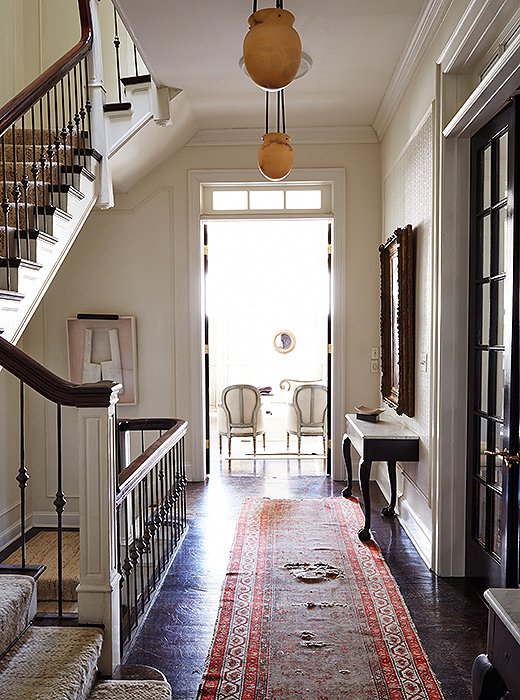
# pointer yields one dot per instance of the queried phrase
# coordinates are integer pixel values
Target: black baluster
(119, 561)
(57, 146)
(70, 123)
(68, 178)
(82, 114)
(43, 163)
(77, 117)
(59, 504)
(134, 558)
(23, 476)
(6, 205)
(88, 106)
(25, 185)
(35, 168)
(50, 155)
(117, 44)
(136, 68)
(17, 194)
(127, 569)
(142, 549)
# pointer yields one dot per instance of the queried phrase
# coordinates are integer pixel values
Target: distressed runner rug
(308, 611)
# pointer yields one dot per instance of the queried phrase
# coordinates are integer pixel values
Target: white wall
(133, 260)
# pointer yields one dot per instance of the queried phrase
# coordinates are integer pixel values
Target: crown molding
(299, 135)
(428, 23)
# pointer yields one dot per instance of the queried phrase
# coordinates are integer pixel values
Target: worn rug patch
(309, 611)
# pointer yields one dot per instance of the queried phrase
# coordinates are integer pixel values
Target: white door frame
(197, 178)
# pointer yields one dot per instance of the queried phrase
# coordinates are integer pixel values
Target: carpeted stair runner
(51, 663)
(130, 690)
(42, 549)
(16, 610)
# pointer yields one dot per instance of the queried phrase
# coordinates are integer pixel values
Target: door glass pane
(483, 446)
(496, 536)
(501, 238)
(500, 312)
(486, 178)
(484, 330)
(484, 381)
(499, 409)
(481, 514)
(498, 469)
(486, 246)
(502, 166)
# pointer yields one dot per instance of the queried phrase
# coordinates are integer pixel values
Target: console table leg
(347, 491)
(364, 477)
(486, 684)
(390, 508)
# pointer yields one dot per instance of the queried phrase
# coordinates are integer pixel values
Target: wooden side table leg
(486, 684)
(364, 477)
(347, 491)
(390, 508)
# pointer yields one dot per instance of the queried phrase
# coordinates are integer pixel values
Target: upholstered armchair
(307, 414)
(240, 414)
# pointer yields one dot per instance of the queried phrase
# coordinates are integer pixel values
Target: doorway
(493, 410)
(267, 282)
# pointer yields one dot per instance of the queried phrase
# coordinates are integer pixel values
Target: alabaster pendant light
(276, 155)
(272, 47)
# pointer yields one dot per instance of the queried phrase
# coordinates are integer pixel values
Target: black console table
(383, 441)
(495, 674)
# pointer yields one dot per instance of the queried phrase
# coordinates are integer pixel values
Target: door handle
(508, 458)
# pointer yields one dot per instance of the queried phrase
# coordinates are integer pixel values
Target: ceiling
(355, 46)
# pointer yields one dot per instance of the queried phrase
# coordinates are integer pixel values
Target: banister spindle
(43, 164)
(6, 205)
(59, 504)
(50, 155)
(117, 45)
(22, 477)
(25, 185)
(63, 135)
(88, 105)
(17, 193)
(82, 114)
(35, 168)
(57, 145)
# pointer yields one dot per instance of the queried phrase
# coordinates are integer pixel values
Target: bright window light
(266, 199)
(229, 200)
(303, 199)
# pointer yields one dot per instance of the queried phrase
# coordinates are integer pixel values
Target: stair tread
(125, 690)
(15, 603)
(51, 663)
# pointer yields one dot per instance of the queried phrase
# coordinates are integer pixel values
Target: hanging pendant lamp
(275, 155)
(272, 47)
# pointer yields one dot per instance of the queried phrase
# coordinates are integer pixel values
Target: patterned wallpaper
(408, 199)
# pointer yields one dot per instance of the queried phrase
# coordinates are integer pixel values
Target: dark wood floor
(449, 615)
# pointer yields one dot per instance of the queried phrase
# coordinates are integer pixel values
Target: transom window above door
(314, 199)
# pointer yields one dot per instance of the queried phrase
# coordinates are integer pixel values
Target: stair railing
(151, 512)
(45, 138)
(60, 393)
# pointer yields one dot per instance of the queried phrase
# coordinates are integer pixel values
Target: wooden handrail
(26, 98)
(52, 387)
(135, 472)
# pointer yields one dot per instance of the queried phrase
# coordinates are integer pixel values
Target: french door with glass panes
(493, 417)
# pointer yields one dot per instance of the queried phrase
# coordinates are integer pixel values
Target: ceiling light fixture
(276, 155)
(272, 47)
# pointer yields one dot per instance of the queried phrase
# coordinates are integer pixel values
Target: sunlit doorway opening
(268, 325)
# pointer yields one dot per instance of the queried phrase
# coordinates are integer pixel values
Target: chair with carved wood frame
(307, 414)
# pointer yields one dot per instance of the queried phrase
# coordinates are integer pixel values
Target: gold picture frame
(284, 341)
(397, 257)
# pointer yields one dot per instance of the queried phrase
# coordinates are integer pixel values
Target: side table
(383, 441)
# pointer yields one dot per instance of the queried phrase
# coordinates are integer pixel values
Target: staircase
(55, 663)
(48, 189)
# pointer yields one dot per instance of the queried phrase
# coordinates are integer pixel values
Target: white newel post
(98, 590)
(98, 122)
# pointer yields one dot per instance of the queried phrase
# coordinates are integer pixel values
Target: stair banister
(40, 86)
(52, 387)
(98, 590)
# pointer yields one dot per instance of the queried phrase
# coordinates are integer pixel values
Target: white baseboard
(44, 519)
(412, 524)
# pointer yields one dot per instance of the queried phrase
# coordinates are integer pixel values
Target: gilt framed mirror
(397, 257)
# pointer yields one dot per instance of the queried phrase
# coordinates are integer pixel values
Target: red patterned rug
(308, 611)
